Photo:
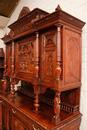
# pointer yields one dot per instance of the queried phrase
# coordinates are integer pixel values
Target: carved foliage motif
(48, 56)
(72, 57)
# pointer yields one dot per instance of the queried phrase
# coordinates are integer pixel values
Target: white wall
(77, 8)
(2, 33)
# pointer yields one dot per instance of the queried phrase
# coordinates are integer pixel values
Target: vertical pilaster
(58, 70)
(12, 72)
(36, 86)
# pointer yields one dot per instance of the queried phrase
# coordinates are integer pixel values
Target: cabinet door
(16, 124)
(24, 58)
(48, 58)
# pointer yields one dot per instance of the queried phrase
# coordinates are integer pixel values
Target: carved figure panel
(48, 57)
(25, 57)
(72, 57)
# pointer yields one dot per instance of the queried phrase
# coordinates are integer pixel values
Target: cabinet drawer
(29, 123)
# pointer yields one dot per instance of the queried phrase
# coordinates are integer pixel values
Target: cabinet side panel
(72, 58)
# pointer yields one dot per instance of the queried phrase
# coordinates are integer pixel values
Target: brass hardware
(13, 111)
(34, 128)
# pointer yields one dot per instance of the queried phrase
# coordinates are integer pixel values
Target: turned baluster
(56, 106)
(58, 70)
(36, 87)
(12, 73)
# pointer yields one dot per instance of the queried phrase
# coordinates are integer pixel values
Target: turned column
(58, 70)
(12, 72)
(36, 86)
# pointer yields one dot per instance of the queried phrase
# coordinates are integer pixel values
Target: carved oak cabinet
(43, 51)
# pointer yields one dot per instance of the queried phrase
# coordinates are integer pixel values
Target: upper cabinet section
(25, 23)
(48, 49)
(37, 19)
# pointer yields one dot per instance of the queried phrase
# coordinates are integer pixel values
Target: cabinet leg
(36, 102)
(57, 107)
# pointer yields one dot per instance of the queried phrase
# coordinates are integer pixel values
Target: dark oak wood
(44, 51)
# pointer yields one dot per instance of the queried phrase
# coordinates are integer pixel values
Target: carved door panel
(16, 124)
(71, 58)
(17, 121)
(24, 58)
(9, 58)
(48, 58)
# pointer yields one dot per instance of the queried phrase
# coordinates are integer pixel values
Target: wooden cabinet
(44, 50)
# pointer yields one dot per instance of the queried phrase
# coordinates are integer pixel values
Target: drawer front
(24, 121)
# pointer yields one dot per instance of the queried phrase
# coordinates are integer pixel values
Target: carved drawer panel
(22, 121)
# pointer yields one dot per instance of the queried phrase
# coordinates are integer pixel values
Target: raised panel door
(16, 124)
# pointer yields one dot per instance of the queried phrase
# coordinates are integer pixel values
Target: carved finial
(58, 8)
(24, 11)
